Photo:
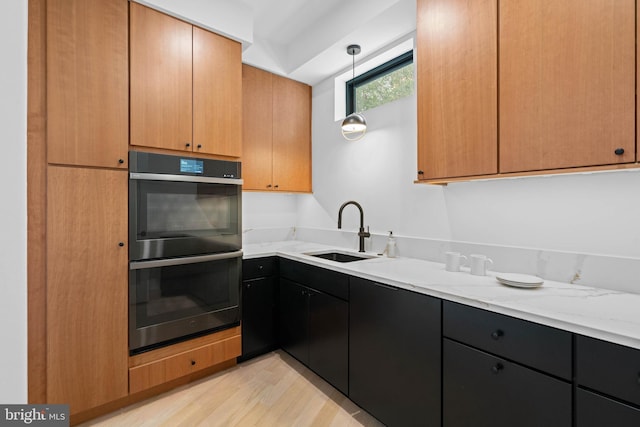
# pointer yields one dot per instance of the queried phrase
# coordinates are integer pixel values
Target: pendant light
(354, 126)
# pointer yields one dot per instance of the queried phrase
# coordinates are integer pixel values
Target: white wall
(376, 171)
(13, 245)
(579, 227)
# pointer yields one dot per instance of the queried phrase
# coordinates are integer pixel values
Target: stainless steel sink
(341, 256)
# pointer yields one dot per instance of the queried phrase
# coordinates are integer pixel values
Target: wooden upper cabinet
(87, 82)
(87, 344)
(457, 88)
(161, 80)
(291, 135)
(257, 128)
(217, 94)
(276, 153)
(567, 83)
(186, 86)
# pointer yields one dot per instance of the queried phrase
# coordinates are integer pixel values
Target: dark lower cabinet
(482, 390)
(314, 329)
(594, 410)
(259, 307)
(395, 354)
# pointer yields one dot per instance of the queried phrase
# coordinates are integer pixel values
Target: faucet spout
(361, 233)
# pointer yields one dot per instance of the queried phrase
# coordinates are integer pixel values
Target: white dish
(519, 280)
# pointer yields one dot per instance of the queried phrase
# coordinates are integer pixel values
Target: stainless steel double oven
(185, 248)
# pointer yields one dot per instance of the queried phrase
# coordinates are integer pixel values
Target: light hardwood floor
(271, 390)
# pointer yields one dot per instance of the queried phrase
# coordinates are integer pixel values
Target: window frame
(374, 74)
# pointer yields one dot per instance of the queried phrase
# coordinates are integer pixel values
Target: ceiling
(306, 40)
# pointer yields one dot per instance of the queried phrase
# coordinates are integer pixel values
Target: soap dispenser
(390, 250)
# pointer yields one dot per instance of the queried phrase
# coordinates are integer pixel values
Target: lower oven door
(176, 298)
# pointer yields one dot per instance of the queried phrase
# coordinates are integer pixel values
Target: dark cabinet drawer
(593, 410)
(259, 267)
(527, 343)
(610, 368)
(482, 390)
(327, 281)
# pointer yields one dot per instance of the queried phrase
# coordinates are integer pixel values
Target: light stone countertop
(599, 313)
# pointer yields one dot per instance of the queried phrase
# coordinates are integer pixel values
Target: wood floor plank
(271, 390)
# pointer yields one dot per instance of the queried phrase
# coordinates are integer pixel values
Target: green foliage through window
(386, 83)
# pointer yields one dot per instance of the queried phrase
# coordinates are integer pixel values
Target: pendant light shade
(354, 126)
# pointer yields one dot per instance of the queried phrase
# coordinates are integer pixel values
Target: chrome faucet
(362, 234)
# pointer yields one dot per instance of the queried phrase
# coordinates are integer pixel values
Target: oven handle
(184, 178)
(139, 265)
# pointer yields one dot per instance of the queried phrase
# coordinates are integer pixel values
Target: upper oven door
(177, 215)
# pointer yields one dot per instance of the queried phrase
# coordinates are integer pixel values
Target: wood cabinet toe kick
(147, 375)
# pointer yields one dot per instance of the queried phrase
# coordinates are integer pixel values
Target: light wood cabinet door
(257, 129)
(87, 346)
(567, 83)
(276, 129)
(217, 94)
(87, 82)
(161, 80)
(457, 88)
(291, 135)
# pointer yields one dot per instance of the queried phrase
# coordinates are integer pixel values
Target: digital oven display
(191, 166)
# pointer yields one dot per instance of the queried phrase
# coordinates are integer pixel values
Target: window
(385, 83)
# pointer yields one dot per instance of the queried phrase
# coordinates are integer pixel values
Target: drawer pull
(497, 368)
(497, 334)
(193, 362)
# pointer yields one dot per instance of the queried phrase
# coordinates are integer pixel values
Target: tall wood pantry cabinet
(186, 86)
(524, 87)
(86, 350)
(276, 132)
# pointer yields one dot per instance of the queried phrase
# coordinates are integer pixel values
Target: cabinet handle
(193, 362)
(268, 185)
(121, 244)
(260, 267)
(497, 368)
(121, 161)
(187, 145)
(276, 186)
(248, 285)
(199, 146)
(420, 172)
(619, 151)
(497, 334)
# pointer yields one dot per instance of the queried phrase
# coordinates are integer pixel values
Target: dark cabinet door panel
(294, 303)
(259, 325)
(395, 354)
(482, 390)
(329, 339)
(593, 410)
(610, 368)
